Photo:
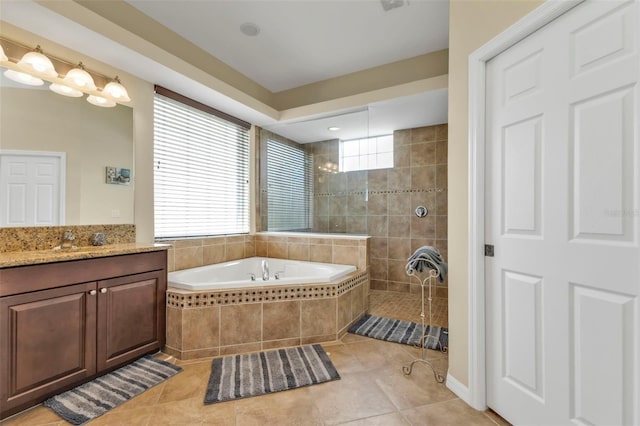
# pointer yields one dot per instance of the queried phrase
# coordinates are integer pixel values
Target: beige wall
(472, 23)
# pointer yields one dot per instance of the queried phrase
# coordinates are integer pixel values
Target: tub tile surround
(35, 238)
(381, 203)
(212, 323)
(195, 252)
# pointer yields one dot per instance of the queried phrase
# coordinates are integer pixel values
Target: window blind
(201, 176)
(289, 187)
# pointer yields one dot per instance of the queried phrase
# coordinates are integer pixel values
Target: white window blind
(366, 153)
(201, 179)
(290, 187)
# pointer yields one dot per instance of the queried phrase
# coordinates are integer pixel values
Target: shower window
(201, 169)
(289, 187)
(366, 153)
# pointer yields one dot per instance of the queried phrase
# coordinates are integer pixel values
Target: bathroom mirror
(92, 139)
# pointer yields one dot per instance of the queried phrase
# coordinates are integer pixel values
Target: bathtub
(238, 274)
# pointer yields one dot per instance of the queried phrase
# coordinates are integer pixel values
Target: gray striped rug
(393, 330)
(93, 399)
(245, 375)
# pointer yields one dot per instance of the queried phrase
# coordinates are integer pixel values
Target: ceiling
(305, 41)
(300, 42)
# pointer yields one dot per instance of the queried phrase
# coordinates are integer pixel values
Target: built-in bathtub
(219, 309)
(249, 272)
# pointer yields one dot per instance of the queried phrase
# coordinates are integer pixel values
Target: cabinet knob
(103, 290)
(93, 292)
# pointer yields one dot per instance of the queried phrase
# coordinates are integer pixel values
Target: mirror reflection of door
(31, 188)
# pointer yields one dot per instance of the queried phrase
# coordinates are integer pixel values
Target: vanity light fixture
(100, 101)
(37, 63)
(64, 90)
(23, 78)
(116, 90)
(34, 67)
(80, 78)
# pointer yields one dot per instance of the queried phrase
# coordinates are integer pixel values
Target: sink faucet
(265, 270)
(67, 240)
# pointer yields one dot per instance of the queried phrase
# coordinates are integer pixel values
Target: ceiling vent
(391, 4)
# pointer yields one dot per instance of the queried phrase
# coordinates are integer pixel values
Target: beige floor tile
(37, 416)
(183, 412)
(409, 391)
(220, 414)
(353, 338)
(392, 419)
(375, 354)
(372, 390)
(344, 359)
(117, 417)
(449, 413)
(288, 407)
(353, 397)
(407, 307)
(496, 418)
(190, 383)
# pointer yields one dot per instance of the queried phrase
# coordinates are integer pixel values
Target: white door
(31, 188)
(563, 212)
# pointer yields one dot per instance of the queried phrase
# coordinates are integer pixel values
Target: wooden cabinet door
(47, 343)
(130, 317)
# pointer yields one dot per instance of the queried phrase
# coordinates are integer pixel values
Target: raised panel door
(47, 343)
(130, 317)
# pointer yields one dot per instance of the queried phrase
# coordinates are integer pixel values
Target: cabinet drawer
(23, 279)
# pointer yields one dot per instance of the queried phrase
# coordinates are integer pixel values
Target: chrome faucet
(67, 240)
(265, 270)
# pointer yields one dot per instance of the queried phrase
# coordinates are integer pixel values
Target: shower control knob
(421, 211)
(103, 290)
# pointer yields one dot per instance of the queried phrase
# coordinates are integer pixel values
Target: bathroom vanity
(65, 322)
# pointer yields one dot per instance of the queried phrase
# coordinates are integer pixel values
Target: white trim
(455, 386)
(62, 176)
(547, 12)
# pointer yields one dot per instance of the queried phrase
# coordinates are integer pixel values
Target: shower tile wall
(381, 203)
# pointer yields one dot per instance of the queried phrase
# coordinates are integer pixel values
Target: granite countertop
(22, 258)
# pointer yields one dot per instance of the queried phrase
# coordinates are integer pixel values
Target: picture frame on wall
(118, 176)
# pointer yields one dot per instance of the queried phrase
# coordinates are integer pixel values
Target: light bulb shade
(78, 77)
(37, 63)
(63, 90)
(100, 101)
(23, 78)
(3, 56)
(116, 91)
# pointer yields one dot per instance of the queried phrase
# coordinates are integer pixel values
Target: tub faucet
(67, 240)
(265, 270)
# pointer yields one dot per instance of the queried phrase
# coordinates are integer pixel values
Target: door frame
(62, 176)
(475, 394)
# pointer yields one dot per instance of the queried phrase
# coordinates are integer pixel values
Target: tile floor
(406, 306)
(373, 391)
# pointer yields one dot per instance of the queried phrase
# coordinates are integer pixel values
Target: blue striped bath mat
(245, 375)
(398, 331)
(93, 399)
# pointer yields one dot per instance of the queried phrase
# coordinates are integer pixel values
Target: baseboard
(459, 389)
